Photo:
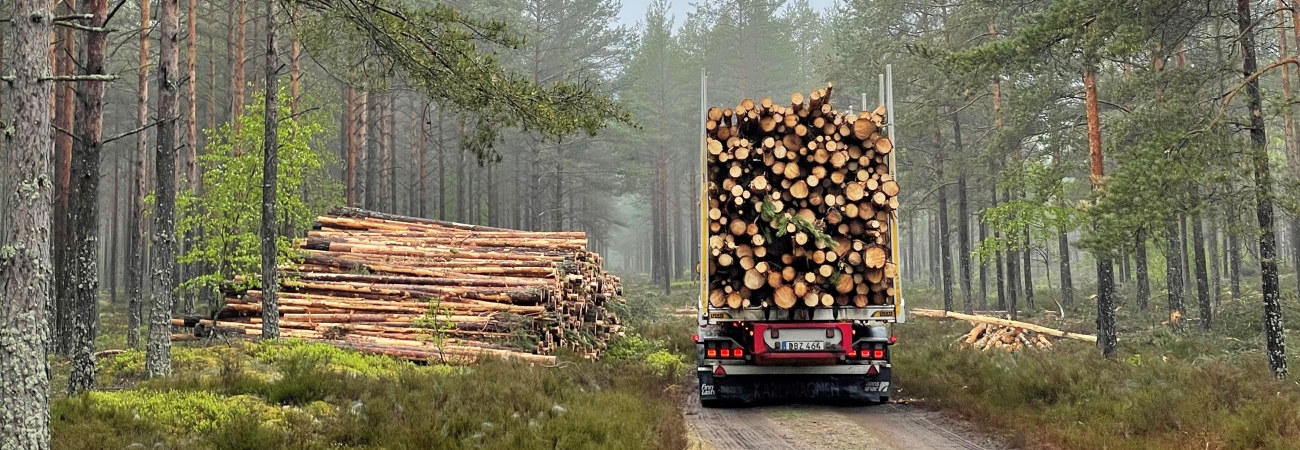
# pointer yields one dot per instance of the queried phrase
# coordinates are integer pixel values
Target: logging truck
(798, 246)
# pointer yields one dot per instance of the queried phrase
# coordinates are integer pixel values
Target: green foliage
(179, 412)
(450, 56)
(302, 395)
(226, 210)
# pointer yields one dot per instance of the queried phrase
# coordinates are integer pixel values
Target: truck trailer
(799, 251)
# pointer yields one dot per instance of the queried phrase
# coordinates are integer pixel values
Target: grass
(1165, 389)
(293, 394)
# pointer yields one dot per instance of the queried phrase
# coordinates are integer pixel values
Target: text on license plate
(802, 345)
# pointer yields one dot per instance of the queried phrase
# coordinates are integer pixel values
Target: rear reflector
(719, 371)
(893, 339)
(695, 338)
(871, 370)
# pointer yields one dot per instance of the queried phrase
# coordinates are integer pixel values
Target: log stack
(801, 203)
(420, 289)
(988, 336)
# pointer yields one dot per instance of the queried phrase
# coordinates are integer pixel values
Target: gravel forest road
(807, 427)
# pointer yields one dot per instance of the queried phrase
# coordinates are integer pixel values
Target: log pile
(421, 289)
(801, 202)
(986, 336)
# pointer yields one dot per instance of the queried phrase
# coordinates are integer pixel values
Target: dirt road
(806, 427)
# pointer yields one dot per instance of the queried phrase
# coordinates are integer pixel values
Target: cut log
(1005, 323)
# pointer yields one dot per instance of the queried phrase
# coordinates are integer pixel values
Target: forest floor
(1171, 389)
(1165, 389)
(229, 394)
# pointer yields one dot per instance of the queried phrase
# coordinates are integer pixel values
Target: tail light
(724, 350)
(878, 354)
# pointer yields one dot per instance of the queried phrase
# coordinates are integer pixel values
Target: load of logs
(425, 289)
(800, 207)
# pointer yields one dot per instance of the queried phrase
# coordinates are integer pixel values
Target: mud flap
(765, 389)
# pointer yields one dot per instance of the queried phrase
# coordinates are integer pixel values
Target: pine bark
(191, 97)
(235, 45)
(963, 221)
(115, 239)
(424, 153)
(61, 304)
(1273, 331)
(1013, 269)
(83, 203)
(1216, 289)
(1105, 268)
(1143, 275)
(350, 159)
(1202, 278)
(984, 269)
(1067, 279)
(1028, 255)
(25, 283)
(1174, 272)
(158, 354)
(137, 237)
(270, 161)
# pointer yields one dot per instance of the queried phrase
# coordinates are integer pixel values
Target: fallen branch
(1003, 322)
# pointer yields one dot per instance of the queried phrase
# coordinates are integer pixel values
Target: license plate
(803, 345)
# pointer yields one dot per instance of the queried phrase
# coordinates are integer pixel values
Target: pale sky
(634, 10)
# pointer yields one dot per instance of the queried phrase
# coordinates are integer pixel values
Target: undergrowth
(294, 394)
(1165, 389)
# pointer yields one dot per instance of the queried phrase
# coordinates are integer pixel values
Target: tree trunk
(984, 267)
(1273, 331)
(386, 197)
(997, 237)
(84, 202)
(211, 109)
(235, 46)
(136, 240)
(932, 247)
(1202, 278)
(370, 118)
(1143, 275)
(1173, 272)
(158, 356)
(1105, 269)
(424, 153)
(115, 240)
(61, 304)
(350, 148)
(25, 283)
(1013, 270)
(442, 168)
(963, 221)
(945, 236)
(1029, 271)
(1288, 113)
(295, 71)
(1234, 261)
(1067, 279)
(1215, 274)
(270, 174)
